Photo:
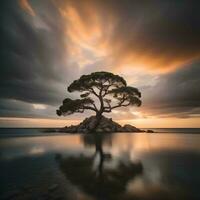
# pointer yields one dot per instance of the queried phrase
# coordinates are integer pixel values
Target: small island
(101, 92)
(105, 125)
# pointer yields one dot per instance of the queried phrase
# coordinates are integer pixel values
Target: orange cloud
(27, 7)
(85, 32)
(101, 30)
(89, 27)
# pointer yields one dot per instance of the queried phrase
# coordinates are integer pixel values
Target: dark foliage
(110, 90)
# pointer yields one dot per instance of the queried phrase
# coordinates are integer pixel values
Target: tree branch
(106, 90)
(119, 105)
(89, 108)
(110, 108)
(93, 92)
(95, 107)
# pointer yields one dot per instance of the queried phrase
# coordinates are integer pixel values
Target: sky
(46, 44)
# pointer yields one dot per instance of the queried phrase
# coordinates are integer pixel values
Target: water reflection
(99, 181)
(118, 166)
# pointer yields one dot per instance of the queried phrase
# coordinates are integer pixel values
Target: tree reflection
(100, 182)
(98, 141)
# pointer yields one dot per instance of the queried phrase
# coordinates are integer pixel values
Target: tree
(101, 92)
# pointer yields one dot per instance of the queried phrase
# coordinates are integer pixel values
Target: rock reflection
(101, 182)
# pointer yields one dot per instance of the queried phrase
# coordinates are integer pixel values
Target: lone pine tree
(101, 92)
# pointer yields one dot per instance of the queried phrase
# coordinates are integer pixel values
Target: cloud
(157, 35)
(33, 56)
(16, 108)
(175, 94)
(45, 45)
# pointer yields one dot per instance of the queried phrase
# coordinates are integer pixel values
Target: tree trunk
(98, 119)
(98, 115)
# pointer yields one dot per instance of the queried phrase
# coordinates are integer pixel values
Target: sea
(40, 164)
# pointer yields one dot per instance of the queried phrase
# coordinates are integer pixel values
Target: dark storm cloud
(32, 55)
(165, 33)
(15, 108)
(175, 94)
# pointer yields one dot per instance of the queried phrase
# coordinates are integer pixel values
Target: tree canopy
(100, 92)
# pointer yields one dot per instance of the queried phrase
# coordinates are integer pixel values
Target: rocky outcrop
(150, 131)
(105, 125)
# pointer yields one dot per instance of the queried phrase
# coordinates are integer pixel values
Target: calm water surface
(104, 167)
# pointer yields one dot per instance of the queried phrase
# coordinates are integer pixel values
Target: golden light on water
(132, 145)
(152, 142)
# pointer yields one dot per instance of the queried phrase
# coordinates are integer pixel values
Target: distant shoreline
(40, 132)
(61, 127)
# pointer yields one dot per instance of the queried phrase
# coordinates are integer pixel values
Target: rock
(105, 125)
(120, 129)
(99, 130)
(130, 128)
(85, 130)
(79, 130)
(108, 130)
(70, 129)
(150, 131)
(92, 123)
